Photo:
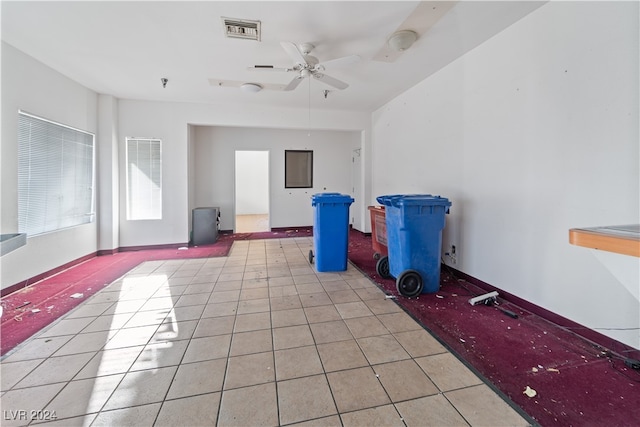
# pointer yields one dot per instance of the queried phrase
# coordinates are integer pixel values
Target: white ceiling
(124, 48)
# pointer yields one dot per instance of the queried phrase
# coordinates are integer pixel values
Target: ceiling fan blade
(339, 62)
(293, 51)
(267, 68)
(237, 84)
(424, 16)
(331, 81)
(294, 83)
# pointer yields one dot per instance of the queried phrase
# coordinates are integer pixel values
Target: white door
(252, 192)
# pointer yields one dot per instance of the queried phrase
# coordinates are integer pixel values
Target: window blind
(55, 176)
(144, 179)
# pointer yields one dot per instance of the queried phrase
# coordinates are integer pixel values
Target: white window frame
(143, 193)
(56, 175)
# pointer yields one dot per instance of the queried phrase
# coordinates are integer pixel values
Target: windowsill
(621, 239)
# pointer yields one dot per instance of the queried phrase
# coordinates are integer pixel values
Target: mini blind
(144, 179)
(55, 175)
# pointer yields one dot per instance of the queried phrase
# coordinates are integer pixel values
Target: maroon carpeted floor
(577, 382)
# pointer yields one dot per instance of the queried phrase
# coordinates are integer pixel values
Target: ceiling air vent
(242, 29)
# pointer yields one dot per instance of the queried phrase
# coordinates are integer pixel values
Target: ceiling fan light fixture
(402, 40)
(250, 87)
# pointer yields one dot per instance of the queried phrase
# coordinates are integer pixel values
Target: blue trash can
(330, 231)
(414, 240)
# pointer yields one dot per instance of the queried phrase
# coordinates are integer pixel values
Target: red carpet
(577, 382)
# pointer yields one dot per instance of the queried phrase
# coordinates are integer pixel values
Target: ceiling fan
(306, 66)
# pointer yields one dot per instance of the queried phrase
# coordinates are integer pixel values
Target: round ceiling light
(402, 40)
(250, 87)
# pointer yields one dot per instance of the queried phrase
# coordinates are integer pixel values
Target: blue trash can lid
(413, 200)
(331, 198)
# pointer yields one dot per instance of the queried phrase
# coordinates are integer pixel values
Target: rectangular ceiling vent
(241, 29)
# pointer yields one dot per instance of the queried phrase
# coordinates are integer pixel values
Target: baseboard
(282, 229)
(595, 337)
(150, 247)
(35, 279)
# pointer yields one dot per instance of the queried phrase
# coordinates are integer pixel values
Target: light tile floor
(258, 338)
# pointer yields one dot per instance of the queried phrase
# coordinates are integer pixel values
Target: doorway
(252, 192)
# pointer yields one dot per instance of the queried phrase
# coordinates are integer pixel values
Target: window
(298, 169)
(55, 176)
(144, 178)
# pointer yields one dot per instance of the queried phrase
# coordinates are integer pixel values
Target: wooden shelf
(621, 239)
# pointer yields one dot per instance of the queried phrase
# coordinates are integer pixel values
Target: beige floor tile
(160, 355)
(315, 299)
(419, 343)
(447, 372)
(350, 310)
(89, 310)
(201, 285)
(67, 327)
(250, 369)
(382, 348)
(190, 380)
(82, 343)
(286, 302)
(147, 318)
(172, 330)
(379, 416)
(141, 388)
(195, 411)
(181, 314)
(37, 348)
(282, 291)
(368, 326)
(252, 322)
(26, 399)
(382, 306)
(480, 406)
(84, 396)
(284, 318)
(12, 373)
(404, 380)
(324, 313)
(192, 299)
(398, 322)
(370, 294)
(357, 389)
(207, 348)
(109, 322)
(305, 398)
(131, 337)
(212, 326)
(233, 285)
(249, 406)
(253, 306)
(342, 296)
(330, 332)
(331, 421)
(108, 362)
(138, 416)
(280, 277)
(292, 336)
(251, 342)
(297, 362)
(220, 309)
(162, 303)
(341, 355)
(433, 411)
(55, 370)
(82, 421)
(251, 294)
(218, 296)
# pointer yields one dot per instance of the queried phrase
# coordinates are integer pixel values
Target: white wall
(252, 182)
(30, 86)
(215, 148)
(174, 124)
(531, 134)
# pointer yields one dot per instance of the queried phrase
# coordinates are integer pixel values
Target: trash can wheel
(382, 268)
(376, 255)
(310, 256)
(409, 283)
